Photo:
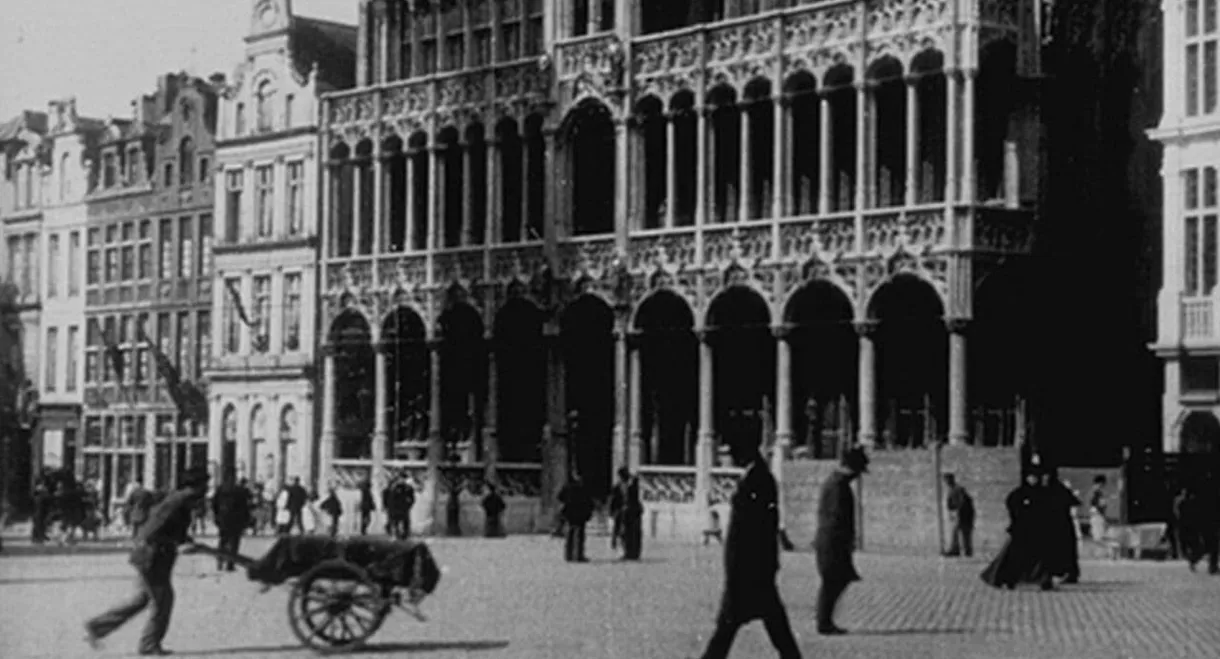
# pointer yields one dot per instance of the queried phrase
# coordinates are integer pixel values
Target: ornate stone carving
(671, 487)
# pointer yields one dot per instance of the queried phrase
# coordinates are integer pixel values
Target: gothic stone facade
(576, 236)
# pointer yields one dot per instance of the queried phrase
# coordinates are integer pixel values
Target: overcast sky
(107, 52)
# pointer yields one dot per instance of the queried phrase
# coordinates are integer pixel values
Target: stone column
(491, 441)
(379, 407)
(706, 442)
(622, 189)
(525, 186)
(436, 447)
(492, 228)
(671, 172)
(783, 411)
(825, 155)
(326, 451)
(555, 455)
(328, 218)
(969, 187)
(358, 165)
(950, 139)
(620, 398)
(467, 192)
(636, 415)
(862, 160)
(383, 45)
(701, 167)
(958, 400)
(379, 205)
(441, 183)
(868, 384)
(779, 156)
(362, 44)
(746, 164)
(912, 145)
(410, 200)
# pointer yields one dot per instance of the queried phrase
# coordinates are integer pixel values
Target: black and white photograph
(610, 329)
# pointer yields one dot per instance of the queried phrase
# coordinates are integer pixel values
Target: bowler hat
(855, 459)
(194, 476)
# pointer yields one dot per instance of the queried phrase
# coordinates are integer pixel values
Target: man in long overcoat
(576, 507)
(231, 510)
(751, 561)
(836, 537)
(961, 511)
(154, 555)
(628, 511)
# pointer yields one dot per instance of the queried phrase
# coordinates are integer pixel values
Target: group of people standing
(576, 507)
(1042, 534)
(75, 505)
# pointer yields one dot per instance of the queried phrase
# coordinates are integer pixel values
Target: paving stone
(517, 599)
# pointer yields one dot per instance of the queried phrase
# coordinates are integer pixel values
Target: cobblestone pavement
(517, 599)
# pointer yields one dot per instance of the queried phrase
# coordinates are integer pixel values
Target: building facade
(149, 287)
(1188, 337)
(25, 151)
(572, 236)
(61, 341)
(262, 377)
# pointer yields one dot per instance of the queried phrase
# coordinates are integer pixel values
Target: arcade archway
(825, 369)
(669, 354)
(521, 379)
(743, 370)
(912, 363)
(403, 339)
(462, 374)
(354, 381)
(587, 331)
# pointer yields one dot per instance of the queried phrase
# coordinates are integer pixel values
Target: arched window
(288, 424)
(263, 107)
(186, 161)
(63, 176)
(258, 425)
(229, 424)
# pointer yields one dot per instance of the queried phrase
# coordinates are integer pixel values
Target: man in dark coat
(44, 501)
(835, 539)
(493, 511)
(297, 498)
(961, 510)
(576, 507)
(751, 561)
(231, 510)
(367, 506)
(154, 555)
(628, 512)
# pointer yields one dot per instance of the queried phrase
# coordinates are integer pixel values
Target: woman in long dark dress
(1023, 558)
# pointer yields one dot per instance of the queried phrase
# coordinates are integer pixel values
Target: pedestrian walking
(153, 557)
(835, 539)
(367, 506)
(1023, 559)
(628, 512)
(961, 515)
(1064, 557)
(333, 509)
(231, 511)
(1097, 509)
(493, 512)
(576, 507)
(139, 502)
(751, 561)
(298, 498)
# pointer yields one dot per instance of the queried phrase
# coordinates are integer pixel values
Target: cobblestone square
(517, 599)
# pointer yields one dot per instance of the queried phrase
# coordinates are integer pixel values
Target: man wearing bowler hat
(836, 537)
(154, 555)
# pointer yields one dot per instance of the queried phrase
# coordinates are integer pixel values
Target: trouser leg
(722, 639)
(955, 534)
(828, 597)
(102, 625)
(569, 543)
(968, 540)
(161, 591)
(780, 631)
(580, 542)
(364, 523)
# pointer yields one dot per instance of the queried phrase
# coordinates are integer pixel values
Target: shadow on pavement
(13, 551)
(422, 646)
(13, 582)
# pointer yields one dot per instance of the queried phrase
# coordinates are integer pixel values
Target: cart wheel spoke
(346, 628)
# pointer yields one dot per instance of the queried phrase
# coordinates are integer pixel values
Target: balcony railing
(1198, 319)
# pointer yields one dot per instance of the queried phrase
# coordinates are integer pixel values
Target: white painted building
(261, 374)
(1188, 332)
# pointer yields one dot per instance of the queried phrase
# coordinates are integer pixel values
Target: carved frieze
(667, 487)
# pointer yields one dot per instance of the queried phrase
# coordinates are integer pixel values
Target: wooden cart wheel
(336, 606)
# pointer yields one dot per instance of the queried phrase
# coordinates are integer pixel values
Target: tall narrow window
(262, 313)
(112, 254)
(233, 185)
(74, 263)
(292, 312)
(32, 265)
(52, 351)
(264, 195)
(239, 119)
(109, 170)
(1200, 202)
(263, 100)
(134, 165)
(185, 346)
(1201, 66)
(53, 265)
(70, 358)
(165, 266)
(128, 253)
(63, 176)
(296, 198)
(288, 110)
(144, 268)
(203, 344)
(204, 257)
(186, 161)
(231, 320)
(93, 266)
(186, 248)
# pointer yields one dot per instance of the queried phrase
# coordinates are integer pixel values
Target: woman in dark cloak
(1023, 558)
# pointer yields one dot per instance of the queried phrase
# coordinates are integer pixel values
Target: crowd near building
(512, 240)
